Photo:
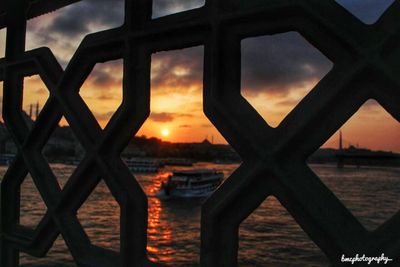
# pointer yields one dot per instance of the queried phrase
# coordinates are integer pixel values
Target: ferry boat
(191, 183)
(141, 165)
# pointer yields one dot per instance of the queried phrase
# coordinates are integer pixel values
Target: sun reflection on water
(159, 230)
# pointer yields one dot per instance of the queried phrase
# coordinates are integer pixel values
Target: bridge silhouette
(353, 155)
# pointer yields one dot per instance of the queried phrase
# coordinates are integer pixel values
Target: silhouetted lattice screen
(366, 65)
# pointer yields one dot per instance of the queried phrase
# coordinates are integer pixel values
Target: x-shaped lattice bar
(366, 66)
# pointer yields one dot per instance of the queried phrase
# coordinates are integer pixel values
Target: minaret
(37, 110)
(30, 111)
(339, 154)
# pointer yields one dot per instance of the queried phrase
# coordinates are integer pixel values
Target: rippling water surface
(269, 237)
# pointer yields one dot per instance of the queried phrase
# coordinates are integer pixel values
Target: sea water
(269, 237)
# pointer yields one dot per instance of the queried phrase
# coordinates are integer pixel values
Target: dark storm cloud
(102, 79)
(106, 75)
(190, 59)
(278, 62)
(77, 18)
(275, 63)
(166, 7)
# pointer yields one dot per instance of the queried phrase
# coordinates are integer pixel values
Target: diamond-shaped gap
(176, 134)
(271, 237)
(34, 97)
(368, 11)
(32, 207)
(100, 217)
(3, 33)
(58, 256)
(102, 90)
(364, 173)
(63, 30)
(278, 71)
(63, 152)
(167, 7)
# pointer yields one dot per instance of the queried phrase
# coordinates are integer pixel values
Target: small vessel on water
(191, 183)
(141, 165)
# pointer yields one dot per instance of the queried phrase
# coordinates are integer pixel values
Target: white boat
(141, 165)
(191, 183)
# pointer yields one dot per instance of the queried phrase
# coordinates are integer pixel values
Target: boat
(142, 165)
(191, 183)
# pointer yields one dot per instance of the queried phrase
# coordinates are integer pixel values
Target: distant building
(62, 143)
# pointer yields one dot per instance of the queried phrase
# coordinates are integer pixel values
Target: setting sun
(165, 132)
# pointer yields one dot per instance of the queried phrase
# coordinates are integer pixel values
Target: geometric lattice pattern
(366, 65)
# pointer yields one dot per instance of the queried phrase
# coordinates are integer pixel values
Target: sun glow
(165, 132)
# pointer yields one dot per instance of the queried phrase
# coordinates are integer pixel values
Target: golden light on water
(159, 229)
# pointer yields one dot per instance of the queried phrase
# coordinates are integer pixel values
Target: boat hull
(184, 193)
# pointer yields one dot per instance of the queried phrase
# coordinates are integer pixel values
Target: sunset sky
(277, 72)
